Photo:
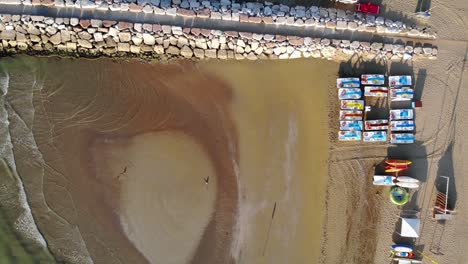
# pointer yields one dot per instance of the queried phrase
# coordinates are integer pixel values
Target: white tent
(410, 227)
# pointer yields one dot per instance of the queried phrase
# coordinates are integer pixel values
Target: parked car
(368, 8)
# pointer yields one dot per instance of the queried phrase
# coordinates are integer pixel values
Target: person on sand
(207, 179)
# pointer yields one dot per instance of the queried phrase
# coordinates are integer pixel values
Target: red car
(368, 8)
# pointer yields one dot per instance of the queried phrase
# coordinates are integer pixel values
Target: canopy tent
(410, 227)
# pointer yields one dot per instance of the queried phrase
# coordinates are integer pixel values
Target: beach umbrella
(410, 227)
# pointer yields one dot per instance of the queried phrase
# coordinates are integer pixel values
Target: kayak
(407, 179)
(394, 169)
(409, 185)
(402, 248)
(398, 162)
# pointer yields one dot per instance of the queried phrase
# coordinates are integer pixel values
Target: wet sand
(124, 149)
(280, 108)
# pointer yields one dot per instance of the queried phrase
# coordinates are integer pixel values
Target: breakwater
(93, 37)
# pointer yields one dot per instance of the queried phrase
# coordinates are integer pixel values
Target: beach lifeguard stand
(441, 210)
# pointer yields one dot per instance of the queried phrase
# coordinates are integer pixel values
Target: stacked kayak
(375, 136)
(351, 125)
(401, 114)
(373, 79)
(349, 135)
(348, 83)
(402, 125)
(349, 93)
(352, 104)
(399, 80)
(401, 94)
(375, 91)
(379, 124)
(351, 115)
(402, 138)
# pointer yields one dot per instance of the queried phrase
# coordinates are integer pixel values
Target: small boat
(376, 91)
(351, 115)
(349, 135)
(348, 83)
(373, 79)
(409, 185)
(349, 93)
(398, 162)
(407, 179)
(400, 80)
(384, 180)
(401, 114)
(402, 248)
(352, 104)
(399, 195)
(402, 125)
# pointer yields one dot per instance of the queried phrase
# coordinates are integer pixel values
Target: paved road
(195, 22)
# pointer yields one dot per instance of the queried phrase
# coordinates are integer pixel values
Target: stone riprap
(82, 37)
(249, 12)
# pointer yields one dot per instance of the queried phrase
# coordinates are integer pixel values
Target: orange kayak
(396, 162)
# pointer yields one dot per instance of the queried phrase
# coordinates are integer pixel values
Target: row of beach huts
(399, 127)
